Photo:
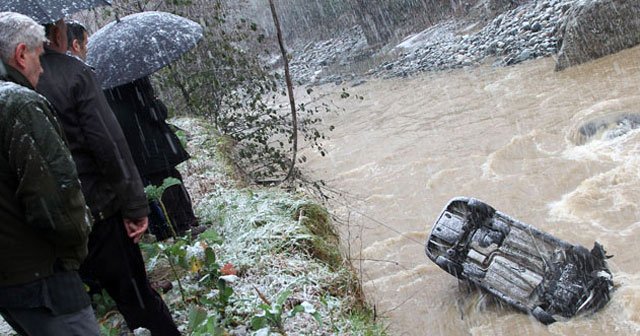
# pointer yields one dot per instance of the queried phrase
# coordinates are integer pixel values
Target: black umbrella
(138, 45)
(48, 11)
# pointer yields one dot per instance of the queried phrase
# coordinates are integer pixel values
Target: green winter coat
(44, 222)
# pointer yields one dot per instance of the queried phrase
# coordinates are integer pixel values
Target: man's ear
(75, 45)
(20, 57)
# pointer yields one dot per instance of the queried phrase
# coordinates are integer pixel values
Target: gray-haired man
(45, 222)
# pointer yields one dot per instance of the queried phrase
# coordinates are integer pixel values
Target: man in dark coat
(110, 183)
(45, 221)
(142, 118)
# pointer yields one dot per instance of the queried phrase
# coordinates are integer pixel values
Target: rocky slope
(530, 31)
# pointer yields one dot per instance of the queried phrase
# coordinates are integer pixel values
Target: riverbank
(527, 32)
(269, 261)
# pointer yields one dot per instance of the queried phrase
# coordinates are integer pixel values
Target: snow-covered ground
(5, 329)
(267, 238)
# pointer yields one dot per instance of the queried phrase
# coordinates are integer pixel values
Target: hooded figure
(156, 151)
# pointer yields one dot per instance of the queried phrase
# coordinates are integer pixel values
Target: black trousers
(177, 202)
(116, 264)
(41, 321)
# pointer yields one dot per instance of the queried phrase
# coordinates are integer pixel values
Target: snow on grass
(267, 236)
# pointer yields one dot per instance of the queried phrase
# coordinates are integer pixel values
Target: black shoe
(197, 230)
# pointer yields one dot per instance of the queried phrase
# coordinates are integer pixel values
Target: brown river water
(508, 136)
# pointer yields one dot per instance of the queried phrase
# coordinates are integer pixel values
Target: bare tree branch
(287, 76)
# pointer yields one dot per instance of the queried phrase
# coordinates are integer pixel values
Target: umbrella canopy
(138, 45)
(48, 11)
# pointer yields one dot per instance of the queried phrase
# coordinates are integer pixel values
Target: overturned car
(527, 268)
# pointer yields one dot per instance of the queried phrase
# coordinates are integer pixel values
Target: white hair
(15, 29)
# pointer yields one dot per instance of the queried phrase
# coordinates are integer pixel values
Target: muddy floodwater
(557, 150)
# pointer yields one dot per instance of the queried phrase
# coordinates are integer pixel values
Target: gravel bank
(527, 32)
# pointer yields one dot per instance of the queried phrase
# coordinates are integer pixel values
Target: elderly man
(45, 222)
(110, 183)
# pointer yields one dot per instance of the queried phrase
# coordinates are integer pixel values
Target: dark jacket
(142, 118)
(44, 222)
(110, 181)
